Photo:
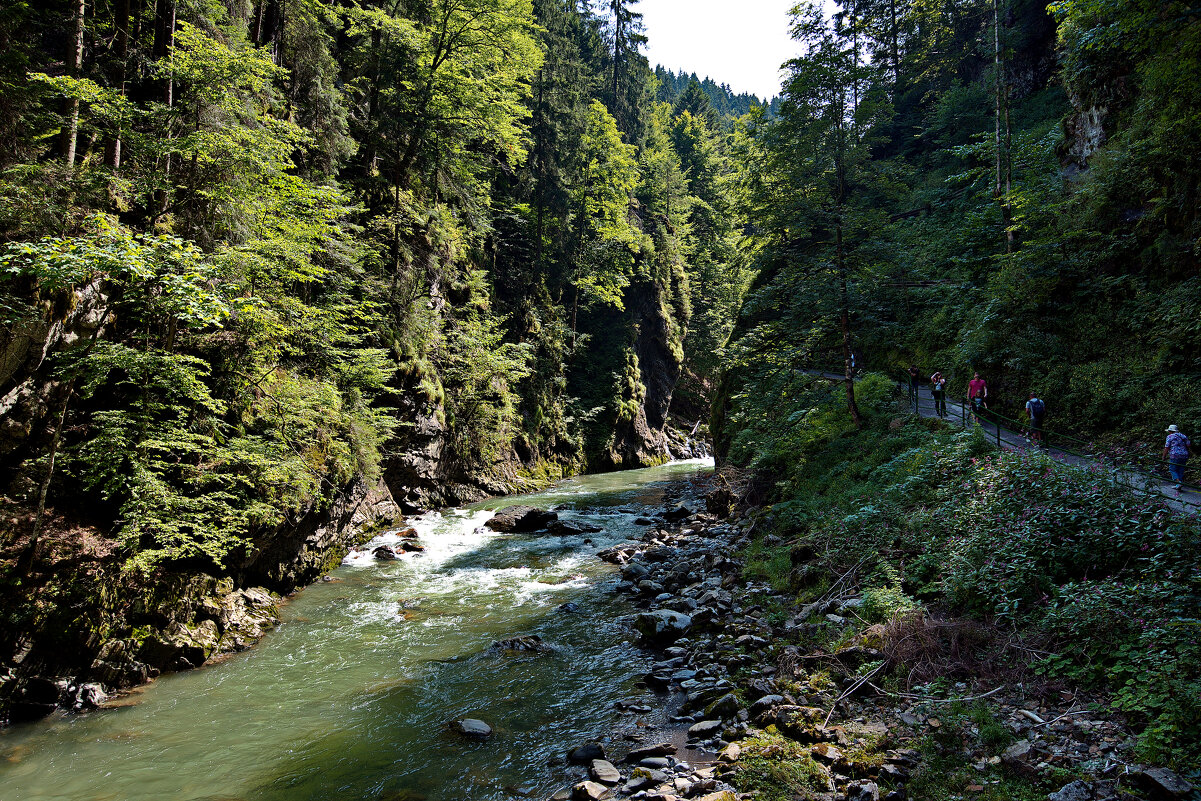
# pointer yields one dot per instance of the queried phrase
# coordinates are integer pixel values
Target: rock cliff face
(28, 391)
(298, 554)
(102, 625)
(420, 475)
(640, 438)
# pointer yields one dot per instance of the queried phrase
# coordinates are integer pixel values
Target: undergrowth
(910, 513)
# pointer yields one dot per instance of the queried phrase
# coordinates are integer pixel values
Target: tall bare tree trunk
(1001, 187)
(112, 144)
(844, 300)
(70, 133)
(896, 55)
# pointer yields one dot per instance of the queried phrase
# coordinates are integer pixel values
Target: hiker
(1176, 452)
(914, 379)
(938, 388)
(1035, 409)
(977, 395)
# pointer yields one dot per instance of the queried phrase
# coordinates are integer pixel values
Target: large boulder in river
(35, 699)
(527, 643)
(662, 626)
(521, 518)
(384, 552)
(568, 528)
(180, 647)
(472, 728)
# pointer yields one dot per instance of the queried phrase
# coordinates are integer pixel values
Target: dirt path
(1188, 499)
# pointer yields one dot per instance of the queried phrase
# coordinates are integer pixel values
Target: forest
(262, 263)
(259, 250)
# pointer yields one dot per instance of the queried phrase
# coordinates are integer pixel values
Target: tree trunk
(844, 302)
(164, 41)
(844, 322)
(29, 558)
(112, 143)
(896, 56)
(1001, 187)
(70, 133)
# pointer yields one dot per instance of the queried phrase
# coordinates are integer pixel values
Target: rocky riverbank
(80, 626)
(767, 700)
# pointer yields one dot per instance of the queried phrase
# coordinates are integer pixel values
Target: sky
(738, 42)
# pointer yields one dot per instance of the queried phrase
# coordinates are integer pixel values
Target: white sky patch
(737, 42)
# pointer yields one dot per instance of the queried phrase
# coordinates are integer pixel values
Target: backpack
(1037, 408)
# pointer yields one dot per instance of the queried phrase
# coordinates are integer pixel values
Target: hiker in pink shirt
(977, 394)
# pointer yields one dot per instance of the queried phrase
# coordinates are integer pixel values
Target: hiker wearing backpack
(938, 388)
(914, 380)
(1176, 451)
(1035, 410)
(977, 395)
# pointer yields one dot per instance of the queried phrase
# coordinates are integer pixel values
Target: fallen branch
(928, 700)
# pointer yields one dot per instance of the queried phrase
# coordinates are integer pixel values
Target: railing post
(997, 424)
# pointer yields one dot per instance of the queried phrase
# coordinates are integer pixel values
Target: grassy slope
(1104, 581)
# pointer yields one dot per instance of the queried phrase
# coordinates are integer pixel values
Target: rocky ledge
(106, 629)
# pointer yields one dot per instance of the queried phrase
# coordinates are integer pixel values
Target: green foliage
(776, 768)
(883, 598)
(309, 240)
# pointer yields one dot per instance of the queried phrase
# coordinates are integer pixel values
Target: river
(347, 699)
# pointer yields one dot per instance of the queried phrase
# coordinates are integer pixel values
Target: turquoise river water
(347, 699)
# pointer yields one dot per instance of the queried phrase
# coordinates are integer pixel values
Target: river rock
(472, 729)
(1076, 791)
(567, 528)
(1161, 783)
(86, 697)
(410, 546)
(863, 791)
(603, 771)
(35, 699)
(589, 791)
(180, 647)
(765, 703)
(704, 730)
(647, 751)
(586, 753)
(384, 552)
(678, 513)
(529, 643)
(520, 519)
(725, 707)
(662, 626)
(643, 777)
(407, 534)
